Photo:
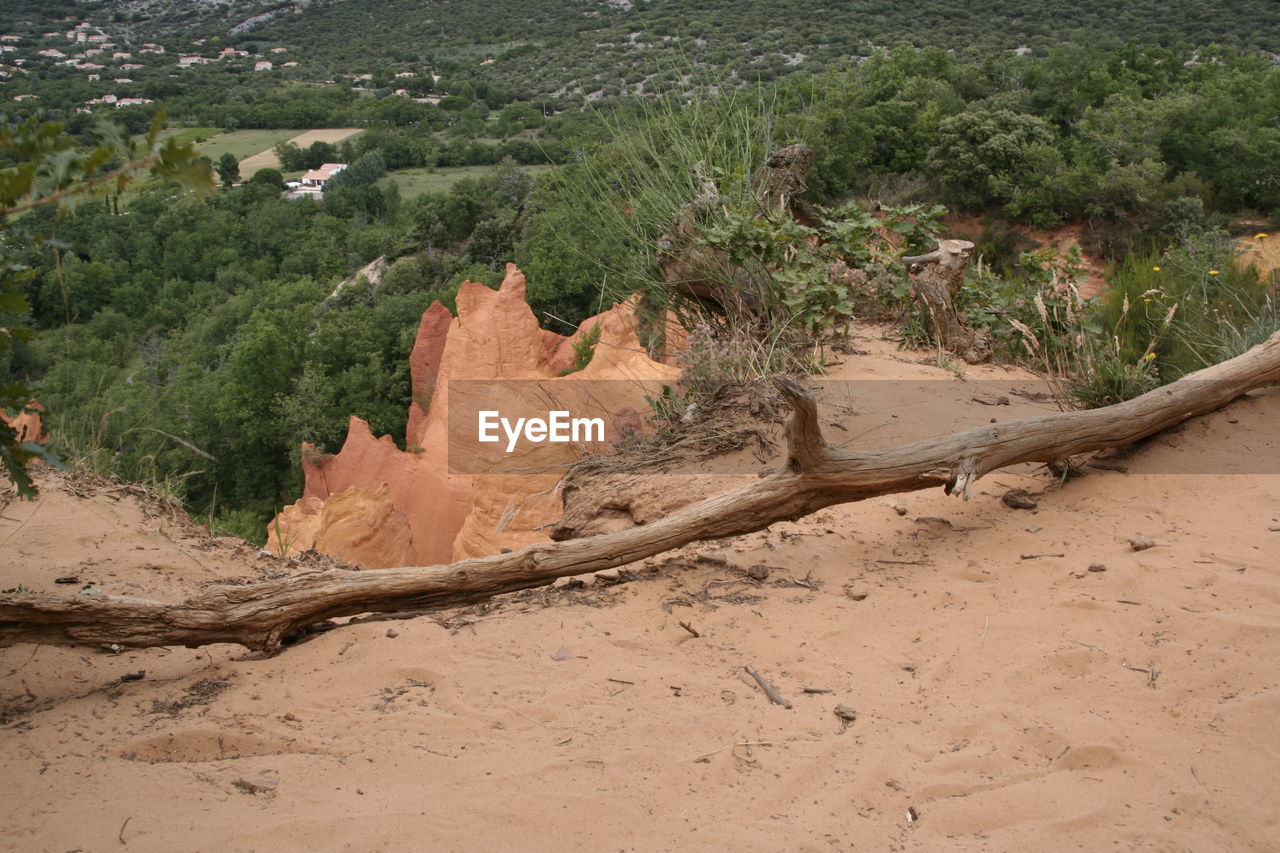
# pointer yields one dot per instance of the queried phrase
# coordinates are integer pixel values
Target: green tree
(228, 169)
(991, 157)
(268, 177)
(49, 168)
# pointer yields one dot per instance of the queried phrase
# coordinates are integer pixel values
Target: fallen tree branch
(815, 475)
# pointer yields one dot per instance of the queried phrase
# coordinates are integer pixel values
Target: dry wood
(769, 690)
(815, 475)
(707, 276)
(938, 277)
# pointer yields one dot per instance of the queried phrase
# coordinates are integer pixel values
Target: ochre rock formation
(379, 506)
(27, 424)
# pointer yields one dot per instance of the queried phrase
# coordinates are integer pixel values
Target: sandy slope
(1008, 701)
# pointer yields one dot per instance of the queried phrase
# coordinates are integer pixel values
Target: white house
(321, 177)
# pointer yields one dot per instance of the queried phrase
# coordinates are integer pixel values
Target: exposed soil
(961, 675)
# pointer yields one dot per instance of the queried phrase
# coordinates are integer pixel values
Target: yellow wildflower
(1155, 269)
(1149, 357)
(1213, 272)
(1260, 236)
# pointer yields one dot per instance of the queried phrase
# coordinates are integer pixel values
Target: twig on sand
(707, 755)
(1152, 673)
(1088, 646)
(121, 833)
(521, 713)
(689, 628)
(772, 692)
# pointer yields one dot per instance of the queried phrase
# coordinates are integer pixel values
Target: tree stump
(937, 277)
(708, 278)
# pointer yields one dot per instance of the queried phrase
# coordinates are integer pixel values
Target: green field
(213, 143)
(415, 182)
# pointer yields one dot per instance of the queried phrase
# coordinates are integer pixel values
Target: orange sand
(1008, 701)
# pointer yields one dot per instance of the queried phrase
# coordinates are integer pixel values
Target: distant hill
(538, 47)
(143, 19)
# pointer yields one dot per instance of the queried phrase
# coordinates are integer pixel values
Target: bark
(815, 475)
(782, 179)
(940, 275)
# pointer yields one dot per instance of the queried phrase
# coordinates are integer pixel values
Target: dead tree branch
(815, 475)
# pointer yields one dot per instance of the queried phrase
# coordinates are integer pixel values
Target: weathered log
(782, 179)
(939, 277)
(815, 475)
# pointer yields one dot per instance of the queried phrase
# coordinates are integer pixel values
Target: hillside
(541, 47)
(1000, 700)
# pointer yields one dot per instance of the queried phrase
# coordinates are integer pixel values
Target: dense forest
(196, 342)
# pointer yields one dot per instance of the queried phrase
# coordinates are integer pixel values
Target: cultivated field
(213, 143)
(266, 159)
(415, 182)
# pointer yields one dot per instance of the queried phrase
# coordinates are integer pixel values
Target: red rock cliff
(377, 505)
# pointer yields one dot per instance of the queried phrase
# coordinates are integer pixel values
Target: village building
(314, 183)
(322, 176)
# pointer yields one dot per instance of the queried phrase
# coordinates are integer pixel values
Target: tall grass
(1225, 308)
(605, 213)
(1163, 316)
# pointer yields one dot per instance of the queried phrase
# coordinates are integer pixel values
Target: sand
(1001, 701)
